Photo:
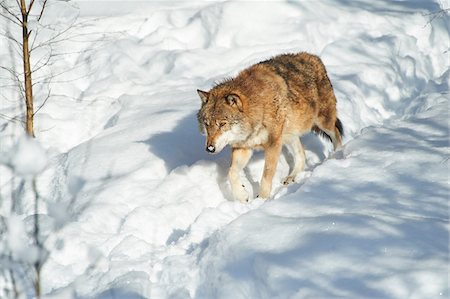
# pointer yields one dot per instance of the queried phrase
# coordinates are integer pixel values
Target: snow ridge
(153, 213)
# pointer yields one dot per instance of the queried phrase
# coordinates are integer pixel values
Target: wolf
(268, 105)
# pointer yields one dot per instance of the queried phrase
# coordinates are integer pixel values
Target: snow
(137, 207)
(27, 157)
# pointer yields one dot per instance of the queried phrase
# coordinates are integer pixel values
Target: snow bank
(26, 158)
(153, 214)
(371, 224)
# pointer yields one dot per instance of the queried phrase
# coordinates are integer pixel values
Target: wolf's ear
(234, 101)
(203, 95)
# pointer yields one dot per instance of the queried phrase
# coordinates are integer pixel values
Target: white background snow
(139, 210)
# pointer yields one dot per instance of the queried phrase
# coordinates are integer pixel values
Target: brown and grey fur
(266, 106)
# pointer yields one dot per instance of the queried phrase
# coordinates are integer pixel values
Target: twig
(11, 118)
(31, 5)
(436, 14)
(43, 103)
(42, 10)
(9, 36)
(13, 17)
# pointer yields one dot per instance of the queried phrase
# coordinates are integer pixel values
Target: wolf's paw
(262, 198)
(263, 194)
(288, 180)
(242, 195)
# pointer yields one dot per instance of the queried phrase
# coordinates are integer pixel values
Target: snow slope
(153, 214)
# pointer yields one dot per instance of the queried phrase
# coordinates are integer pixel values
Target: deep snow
(142, 211)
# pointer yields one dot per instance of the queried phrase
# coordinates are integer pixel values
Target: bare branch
(11, 20)
(35, 37)
(42, 10)
(50, 79)
(37, 67)
(434, 15)
(16, 77)
(7, 86)
(43, 103)
(8, 36)
(13, 73)
(53, 39)
(12, 16)
(437, 12)
(14, 119)
(31, 5)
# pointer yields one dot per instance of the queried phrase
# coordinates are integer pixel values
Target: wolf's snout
(210, 148)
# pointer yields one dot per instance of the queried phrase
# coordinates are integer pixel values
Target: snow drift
(154, 217)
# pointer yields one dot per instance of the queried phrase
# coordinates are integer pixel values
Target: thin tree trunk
(27, 71)
(38, 263)
(30, 131)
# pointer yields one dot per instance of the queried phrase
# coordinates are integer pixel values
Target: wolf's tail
(337, 124)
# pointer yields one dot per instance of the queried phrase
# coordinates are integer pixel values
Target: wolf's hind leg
(239, 159)
(295, 147)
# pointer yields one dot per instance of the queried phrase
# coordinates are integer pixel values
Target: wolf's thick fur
(265, 106)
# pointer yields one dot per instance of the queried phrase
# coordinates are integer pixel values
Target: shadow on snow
(184, 145)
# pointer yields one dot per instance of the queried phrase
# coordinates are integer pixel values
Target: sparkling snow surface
(151, 213)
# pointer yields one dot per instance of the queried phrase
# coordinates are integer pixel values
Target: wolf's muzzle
(211, 149)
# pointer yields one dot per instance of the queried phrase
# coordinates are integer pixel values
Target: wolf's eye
(222, 124)
(206, 123)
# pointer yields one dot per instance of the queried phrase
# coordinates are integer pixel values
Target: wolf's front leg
(271, 155)
(239, 159)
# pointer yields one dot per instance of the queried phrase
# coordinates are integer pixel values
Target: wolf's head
(221, 119)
